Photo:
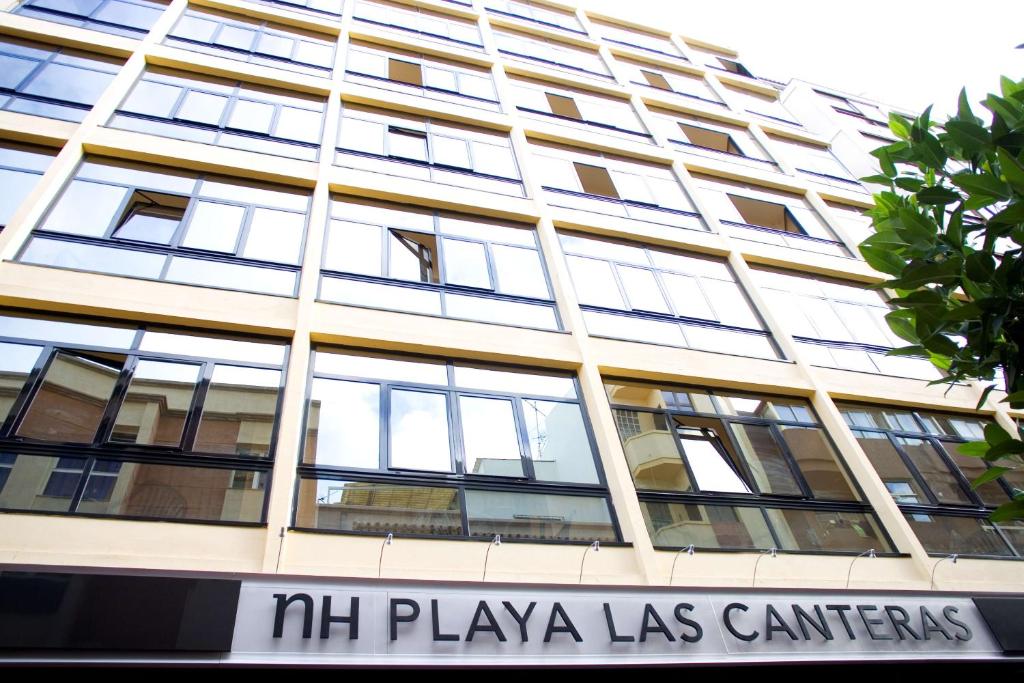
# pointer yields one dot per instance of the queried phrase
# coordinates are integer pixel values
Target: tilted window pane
(713, 466)
(528, 515)
(818, 462)
(489, 436)
(419, 431)
(378, 508)
(765, 459)
(343, 427)
(890, 467)
(239, 411)
(68, 406)
(559, 445)
(157, 404)
(16, 362)
(935, 471)
(706, 526)
(39, 483)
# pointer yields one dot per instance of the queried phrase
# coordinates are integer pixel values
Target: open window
(711, 139)
(405, 72)
(595, 180)
(713, 467)
(766, 214)
(734, 67)
(151, 217)
(413, 256)
(407, 143)
(656, 80)
(563, 106)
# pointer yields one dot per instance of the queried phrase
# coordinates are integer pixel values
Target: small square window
(151, 217)
(563, 106)
(595, 180)
(405, 72)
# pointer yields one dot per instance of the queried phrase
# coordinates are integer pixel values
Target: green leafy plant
(949, 232)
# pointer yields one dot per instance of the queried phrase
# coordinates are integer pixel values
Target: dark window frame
(417, 10)
(85, 21)
(806, 501)
(458, 479)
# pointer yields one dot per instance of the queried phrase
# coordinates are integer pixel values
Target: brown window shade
(711, 139)
(563, 106)
(766, 214)
(656, 80)
(404, 72)
(595, 180)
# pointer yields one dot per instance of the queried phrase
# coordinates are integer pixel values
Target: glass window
(535, 12)
(426, 23)
(140, 221)
(434, 262)
(120, 430)
(56, 82)
(258, 42)
(777, 480)
(21, 166)
(223, 112)
(930, 480)
(683, 294)
(551, 53)
(123, 17)
(502, 441)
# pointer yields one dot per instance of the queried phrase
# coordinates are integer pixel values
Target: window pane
(353, 248)
(16, 362)
(278, 46)
(404, 72)
(376, 367)
(275, 236)
(151, 217)
(413, 256)
(388, 297)
(407, 144)
(651, 451)
(818, 462)
(231, 276)
(254, 116)
(214, 227)
(239, 411)
(489, 437)
(39, 483)
(466, 264)
(172, 492)
(961, 535)
(934, 470)
(559, 444)
(153, 99)
(419, 431)
(519, 272)
(765, 460)
(87, 257)
(16, 186)
(70, 402)
(642, 290)
(343, 428)
(522, 515)
(817, 531)
(514, 382)
(706, 526)
(228, 349)
(237, 37)
(450, 152)
(687, 297)
(497, 311)
(594, 283)
(299, 124)
(563, 106)
(85, 208)
(202, 108)
(595, 180)
(378, 508)
(69, 83)
(890, 467)
(156, 405)
(972, 468)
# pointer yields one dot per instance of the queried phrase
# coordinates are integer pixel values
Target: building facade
(375, 298)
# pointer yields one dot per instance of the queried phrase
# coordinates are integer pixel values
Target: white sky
(907, 54)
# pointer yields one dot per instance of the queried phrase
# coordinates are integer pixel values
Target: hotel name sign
(374, 623)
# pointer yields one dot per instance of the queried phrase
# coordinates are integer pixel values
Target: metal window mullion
(385, 426)
(456, 444)
(1004, 538)
(32, 75)
(672, 427)
(787, 454)
(771, 527)
(743, 467)
(243, 232)
(958, 474)
(912, 468)
(28, 390)
(117, 396)
(191, 430)
(76, 497)
(523, 436)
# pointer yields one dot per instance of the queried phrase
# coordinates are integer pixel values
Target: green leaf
(882, 259)
(1012, 169)
(937, 195)
(964, 111)
(899, 126)
(1009, 87)
(1008, 511)
(1009, 111)
(980, 266)
(974, 449)
(968, 135)
(1011, 215)
(876, 180)
(930, 151)
(984, 396)
(901, 322)
(1011, 447)
(981, 184)
(991, 474)
(914, 350)
(885, 162)
(995, 434)
(909, 184)
(1015, 397)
